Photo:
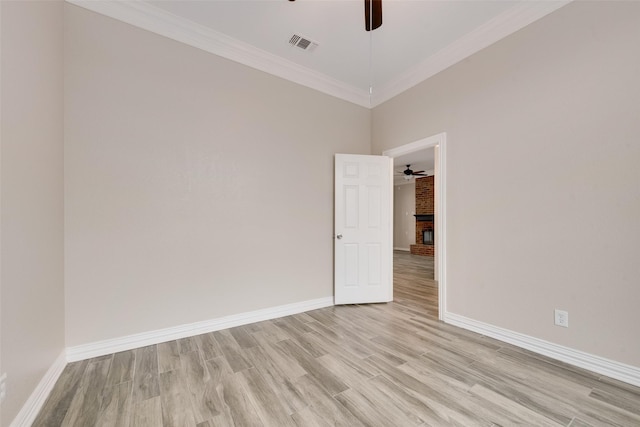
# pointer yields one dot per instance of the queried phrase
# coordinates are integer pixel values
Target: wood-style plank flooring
(389, 364)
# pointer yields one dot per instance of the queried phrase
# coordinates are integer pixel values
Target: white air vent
(302, 43)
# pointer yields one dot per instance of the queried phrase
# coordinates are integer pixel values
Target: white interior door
(363, 229)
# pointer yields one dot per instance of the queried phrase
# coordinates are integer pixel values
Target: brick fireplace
(425, 230)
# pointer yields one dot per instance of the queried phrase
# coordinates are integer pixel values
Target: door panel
(363, 230)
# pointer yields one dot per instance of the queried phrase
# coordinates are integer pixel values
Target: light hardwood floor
(389, 364)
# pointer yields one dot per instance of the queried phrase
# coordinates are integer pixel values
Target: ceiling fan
(408, 173)
(372, 14)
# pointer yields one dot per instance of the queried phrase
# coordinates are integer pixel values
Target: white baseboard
(402, 249)
(32, 406)
(100, 348)
(619, 371)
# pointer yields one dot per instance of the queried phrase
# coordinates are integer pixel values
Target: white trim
(402, 249)
(414, 146)
(441, 239)
(34, 403)
(619, 371)
(148, 17)
(441, 208)
(162, 22)
(114, 345)
(391, 232)
(508, 22)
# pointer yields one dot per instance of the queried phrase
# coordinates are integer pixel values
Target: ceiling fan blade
(372, 14)
(417, 172)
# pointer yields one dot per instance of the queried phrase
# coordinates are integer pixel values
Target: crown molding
(159, 21)
(508, 22)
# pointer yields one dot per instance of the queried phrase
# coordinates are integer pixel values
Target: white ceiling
(418, 38)
(411, 31)
(419, 160)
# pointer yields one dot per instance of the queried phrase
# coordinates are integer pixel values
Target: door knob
(339, 236)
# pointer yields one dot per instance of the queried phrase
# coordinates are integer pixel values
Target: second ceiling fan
(408, 173)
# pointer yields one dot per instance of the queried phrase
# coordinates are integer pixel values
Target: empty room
(197, 221)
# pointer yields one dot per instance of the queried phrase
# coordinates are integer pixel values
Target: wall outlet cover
(561, 318)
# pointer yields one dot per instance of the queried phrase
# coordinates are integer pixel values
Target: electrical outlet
(3, 387)
(562, 318)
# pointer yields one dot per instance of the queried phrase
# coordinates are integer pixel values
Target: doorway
(438, 144)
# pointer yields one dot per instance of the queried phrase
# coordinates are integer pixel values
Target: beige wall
(543, 183)
(195, 187)
(32, 196)
(404, 223)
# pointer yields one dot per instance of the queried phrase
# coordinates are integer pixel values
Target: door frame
(439, 141)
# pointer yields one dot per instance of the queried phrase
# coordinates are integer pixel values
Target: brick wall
(424, 250)
(425, 205)
(424, 195)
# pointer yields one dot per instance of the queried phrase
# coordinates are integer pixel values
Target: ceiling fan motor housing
(409, 173)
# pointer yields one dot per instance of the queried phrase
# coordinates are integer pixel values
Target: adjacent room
(168, 233)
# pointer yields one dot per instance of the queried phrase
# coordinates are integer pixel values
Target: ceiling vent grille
(302, 43)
